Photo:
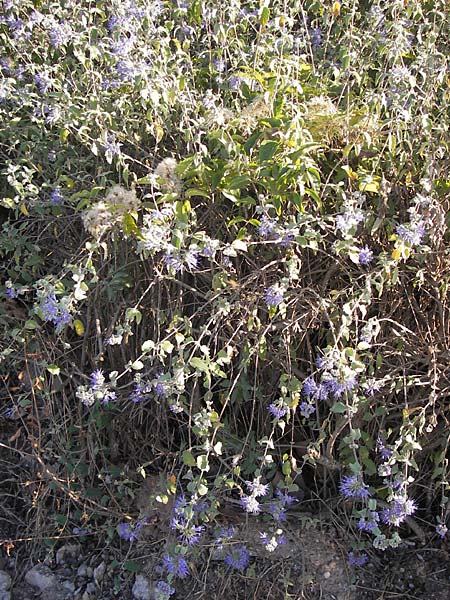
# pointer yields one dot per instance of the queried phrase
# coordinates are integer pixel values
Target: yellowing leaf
(79, 327)
(369, 186)
(396, 254)
(24, 211)
(158, 132)
(336, 9)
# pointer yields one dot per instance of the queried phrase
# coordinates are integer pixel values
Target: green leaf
(188, 459)
(129, 225)
(92, 493)
(53, 369)
(147, 346)
(239, 182)
(199, 364)
(239, 245)
(267, 150)
(202, 462)
(166, 347)
(196, 192)
(251, 142)
(202, 489)
(138, 365)
(132, 566)
(265, 15)
(339, 407)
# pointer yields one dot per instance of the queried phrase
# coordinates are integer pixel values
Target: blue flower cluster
(399, 509)
(182, 522)
(176, 565)
(130, 531)
(352, 486)
(357, 560)
(55, 311)
(238, 558)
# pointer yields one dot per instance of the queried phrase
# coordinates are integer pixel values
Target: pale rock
(142, 590)
(99, 572)
(67, 552)
(5, 581)
(41, 577)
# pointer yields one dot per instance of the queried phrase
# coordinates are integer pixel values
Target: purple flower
(400, 508)
(256, 488)
(250, 504)
(56, 197)
(160, 387)
(53, 312)
(373, 386)
(191, 534)
(274, 296)
(306, 409)
(174, 261)
(79, 531)
(309, 386)
(96, 380)
(369, 522)
(322, 363)
(225, 534)
(112, 23)
(412, 233)
(316, 36)
(355, 560)
(141, 392)
(352, 486)
(238, 558)
(313, 390)
(163, 590)
(111, 146)
(10, 290)
(267, 227)
(126, 532)
(176, 565)
(365, 256)
(380, 447)
(284, 498)
(234, 82)
(272, 542)
(338, 387)
(277, 511)
(349, 220)
(441, 530)
(278, 411)
(219, 65)
(60, 35)
(287, 239)
(43, 81)
(191, 259)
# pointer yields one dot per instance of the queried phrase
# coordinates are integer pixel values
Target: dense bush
(225, 260)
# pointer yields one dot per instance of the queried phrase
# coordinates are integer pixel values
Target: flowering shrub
(228, 229)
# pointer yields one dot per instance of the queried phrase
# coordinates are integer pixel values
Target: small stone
(89, 572)
(85, 596)
(56, 592)
(69, 586)
(99, 572)
(142, 590)
(82, 570)
(5, 581)
(41, 577)
(67, 553)
(90, 588)
(327, 575)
